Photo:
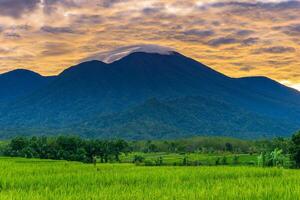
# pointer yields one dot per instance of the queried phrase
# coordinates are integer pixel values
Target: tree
(159, 161)
(228, 147)
(18, 143)
(235, 160)
(261, 159)
(217, 161)
(153, 148)
(273, 158)
(172, 147)
(224, 160)
(277, 157)
(281, 143)
(295, 149)
(118, 146)
(185, 161)
(90, 148)
(138, 159)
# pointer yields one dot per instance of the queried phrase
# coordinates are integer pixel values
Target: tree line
(69, 148)
(272, 152)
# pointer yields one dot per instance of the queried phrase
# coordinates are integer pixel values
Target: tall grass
(43, 179)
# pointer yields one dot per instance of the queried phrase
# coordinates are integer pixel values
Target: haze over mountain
(146, 95)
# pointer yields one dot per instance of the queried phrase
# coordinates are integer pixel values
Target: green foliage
(187, 152)
(274, 158)
(138, 159)
(228, 147)
(195, 144)
(185, 161)
(190, 159)
(159, 161)
(235, 160)
(295, 149)
(224, 160)
(65, 148)
(217, 161)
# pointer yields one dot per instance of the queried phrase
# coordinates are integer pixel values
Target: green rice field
(47, 179)
(202, 158)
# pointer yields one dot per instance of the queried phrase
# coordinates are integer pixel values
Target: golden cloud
(238, 38)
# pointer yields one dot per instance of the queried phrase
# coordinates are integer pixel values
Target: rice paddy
(47, 179)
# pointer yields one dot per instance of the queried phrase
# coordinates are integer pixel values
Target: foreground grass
(44, 179)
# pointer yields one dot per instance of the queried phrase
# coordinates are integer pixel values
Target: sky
(237, 38)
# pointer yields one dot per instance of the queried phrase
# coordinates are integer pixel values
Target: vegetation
(65, 148)
(189, 159)
(35, 179)
(130, 173)
(196, 151)
(295, 149)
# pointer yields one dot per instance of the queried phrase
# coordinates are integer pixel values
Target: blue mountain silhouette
(149, 95)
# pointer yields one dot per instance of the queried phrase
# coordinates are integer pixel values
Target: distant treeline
(65, 148)
(74, 148)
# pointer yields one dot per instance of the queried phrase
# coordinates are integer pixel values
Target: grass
(46, 179)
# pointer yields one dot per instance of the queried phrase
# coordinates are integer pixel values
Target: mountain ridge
(95, 90)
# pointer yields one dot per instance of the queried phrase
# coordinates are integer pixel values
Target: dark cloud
(12, 35)
(250, 41)
(247, 68)
(258, 10)
(292, 30)
(71, 3)
(150, 11)
(86, 19)
(216, 23)
(285, 5)
(275, 50)
(16, 8)
(57, 30)
(222, 41)
(232, 40)
(23, 27)
(279, 63)
(233, 4)
(259, 5)
(200, 33)
(108, 3)
(244, 32)
(52, 5)
(154, 9)
(56, 49)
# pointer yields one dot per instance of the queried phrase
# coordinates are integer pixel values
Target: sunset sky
(238, 38)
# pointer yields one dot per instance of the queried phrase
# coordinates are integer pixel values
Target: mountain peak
(119, 53)
(19, 72)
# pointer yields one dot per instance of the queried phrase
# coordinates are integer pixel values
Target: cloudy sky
(238, 38)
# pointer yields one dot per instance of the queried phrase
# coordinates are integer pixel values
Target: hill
(19, 83)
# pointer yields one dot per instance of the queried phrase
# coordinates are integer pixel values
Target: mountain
(270, 88)
(153, 95)
(19, 83)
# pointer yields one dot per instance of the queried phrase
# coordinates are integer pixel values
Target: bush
(138, 159)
